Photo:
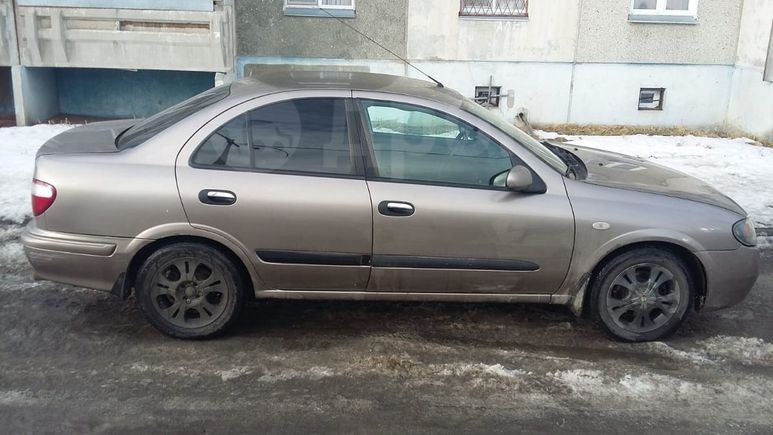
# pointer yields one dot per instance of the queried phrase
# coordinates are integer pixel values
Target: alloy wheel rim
(189, 292)
(643, 297)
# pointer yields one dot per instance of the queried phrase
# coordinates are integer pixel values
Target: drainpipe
(574, 61)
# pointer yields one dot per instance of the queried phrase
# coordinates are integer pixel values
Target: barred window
(494, 8)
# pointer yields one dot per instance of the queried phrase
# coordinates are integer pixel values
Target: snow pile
(477, 369)
(747, 351)
(739, 168)
(313, 373)
(583, 381)
(696, 357)
(18, 146)
(653, 391)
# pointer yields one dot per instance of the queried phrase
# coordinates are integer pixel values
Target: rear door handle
(396, 208)
(217, 197)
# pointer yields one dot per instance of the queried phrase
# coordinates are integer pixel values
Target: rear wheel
(642, 295)
(189, 290)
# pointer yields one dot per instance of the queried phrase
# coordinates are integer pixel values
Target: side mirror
(519, 178)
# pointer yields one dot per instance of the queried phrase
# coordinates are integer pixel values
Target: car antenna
(440, 85)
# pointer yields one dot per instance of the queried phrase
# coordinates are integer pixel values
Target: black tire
(622, 304)
(179, 298)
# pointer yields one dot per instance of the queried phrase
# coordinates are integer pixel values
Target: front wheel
(642, 295)
(189, 290)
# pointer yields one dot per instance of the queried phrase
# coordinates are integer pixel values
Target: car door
(443, 220)
(282, 177)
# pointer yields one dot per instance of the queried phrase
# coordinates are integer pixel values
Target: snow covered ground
(18, 146)
(737, 167)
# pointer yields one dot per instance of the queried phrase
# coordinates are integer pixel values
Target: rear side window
(297, 136)
(412, 143)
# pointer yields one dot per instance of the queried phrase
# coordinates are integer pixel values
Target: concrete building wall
(541, 89)
(8, 46)
(751, 98)
(607, 35)
(696, 96)
(111, 93)
(35, 94)
(6, 92)
(126, 38)
(263, 30)
(436, 32)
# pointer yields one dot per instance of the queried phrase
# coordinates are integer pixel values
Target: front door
(443, 220)
(284, 179)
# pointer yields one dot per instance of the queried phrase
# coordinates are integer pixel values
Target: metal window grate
(494, 8)
(651, 98)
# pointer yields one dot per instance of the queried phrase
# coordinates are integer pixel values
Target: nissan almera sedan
(368, 186)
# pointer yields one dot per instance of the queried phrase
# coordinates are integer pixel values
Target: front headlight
(744, 231)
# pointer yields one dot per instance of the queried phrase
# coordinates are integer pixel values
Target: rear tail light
(43, 195)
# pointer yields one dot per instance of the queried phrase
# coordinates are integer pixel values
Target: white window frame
(319, 5)
(660, 9)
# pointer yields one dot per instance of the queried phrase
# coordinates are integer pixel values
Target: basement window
(664, 11)
(487, 96)
(651, 98)
(320, 8)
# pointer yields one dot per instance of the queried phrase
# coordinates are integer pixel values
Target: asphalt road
(76, 360)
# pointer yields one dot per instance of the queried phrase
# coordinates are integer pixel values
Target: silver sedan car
(321, 185)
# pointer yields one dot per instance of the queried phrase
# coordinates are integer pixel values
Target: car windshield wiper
(575, 168)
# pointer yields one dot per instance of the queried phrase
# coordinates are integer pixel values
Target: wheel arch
(143, 253)
(695, 267)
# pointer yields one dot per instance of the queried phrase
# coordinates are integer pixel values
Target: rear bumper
(730, 275)
(81, 260)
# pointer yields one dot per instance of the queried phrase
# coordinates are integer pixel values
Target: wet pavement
(76, 360)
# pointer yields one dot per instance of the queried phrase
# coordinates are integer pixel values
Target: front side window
(494, 8)
(665, 7)
(307, 136)
(412, 143)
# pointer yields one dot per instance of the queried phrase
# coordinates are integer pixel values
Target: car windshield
(531, 144)
(146, 129)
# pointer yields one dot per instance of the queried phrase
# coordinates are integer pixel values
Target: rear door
(443, 220)
(282, 177)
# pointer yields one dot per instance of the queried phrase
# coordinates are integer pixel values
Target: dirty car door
(280, 177)
(443, 220)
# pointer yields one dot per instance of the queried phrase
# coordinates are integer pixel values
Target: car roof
(280, 81)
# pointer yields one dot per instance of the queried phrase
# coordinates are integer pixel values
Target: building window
(664, 11)
(487, 96)
(319, 8)
(651, 98)
(494, 8)
(768, 74)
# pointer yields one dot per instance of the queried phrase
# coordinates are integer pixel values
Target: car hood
(625, 172)
(97, 137)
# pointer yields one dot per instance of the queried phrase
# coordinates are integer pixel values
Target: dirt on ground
(77, 360)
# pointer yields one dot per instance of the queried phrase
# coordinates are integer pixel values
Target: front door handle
(217, 197)
(396, 208)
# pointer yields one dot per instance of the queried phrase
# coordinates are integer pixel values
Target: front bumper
(730, 275)
(81, 260)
